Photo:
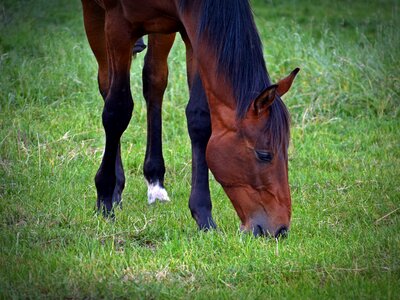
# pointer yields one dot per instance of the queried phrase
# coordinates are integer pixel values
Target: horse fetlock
(154, 170)
(104, 183)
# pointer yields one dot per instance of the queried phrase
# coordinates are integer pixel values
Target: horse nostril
(258, 231)
(282, 232)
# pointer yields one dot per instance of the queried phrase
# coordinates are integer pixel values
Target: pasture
(344, 166)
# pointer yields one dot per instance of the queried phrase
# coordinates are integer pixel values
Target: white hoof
(156, 191)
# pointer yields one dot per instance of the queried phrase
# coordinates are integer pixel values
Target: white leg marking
(155, 191)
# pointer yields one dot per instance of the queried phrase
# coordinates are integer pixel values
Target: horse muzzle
(259, 226)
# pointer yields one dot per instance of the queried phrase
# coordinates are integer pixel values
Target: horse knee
(199, 123)
(198, 113)
(117, 111)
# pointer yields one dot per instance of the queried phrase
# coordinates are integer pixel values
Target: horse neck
(226, 101)
(220, 98)
(219, 93)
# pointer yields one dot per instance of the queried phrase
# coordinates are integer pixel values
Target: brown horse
(237, 122)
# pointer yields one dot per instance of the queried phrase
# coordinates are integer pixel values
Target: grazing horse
(237, 122)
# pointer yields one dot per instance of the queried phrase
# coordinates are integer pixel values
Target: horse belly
(151, 16)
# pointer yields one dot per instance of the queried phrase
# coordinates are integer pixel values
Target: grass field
(344, 166)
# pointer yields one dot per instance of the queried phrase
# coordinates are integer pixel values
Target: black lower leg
(154, 167)
(109, 178)
(119, 170)
(199, 127)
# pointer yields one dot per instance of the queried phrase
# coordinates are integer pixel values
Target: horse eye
(264, 156)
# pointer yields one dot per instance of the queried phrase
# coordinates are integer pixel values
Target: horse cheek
(218, 160)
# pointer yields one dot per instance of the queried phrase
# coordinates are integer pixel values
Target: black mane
(229, 27)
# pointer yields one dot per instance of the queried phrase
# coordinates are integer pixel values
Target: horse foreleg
(117, 112)
(199, 127)
(94, 21)
(155, 78)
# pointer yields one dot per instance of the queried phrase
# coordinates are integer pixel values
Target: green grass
(344, 166)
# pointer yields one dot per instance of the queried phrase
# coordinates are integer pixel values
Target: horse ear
(265, 99)
(285, 84)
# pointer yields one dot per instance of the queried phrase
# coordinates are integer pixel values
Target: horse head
(251, 163)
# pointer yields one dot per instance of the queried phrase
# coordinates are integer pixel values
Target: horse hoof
(207, 225)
